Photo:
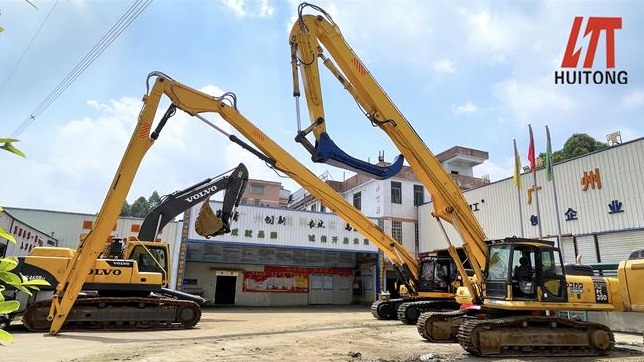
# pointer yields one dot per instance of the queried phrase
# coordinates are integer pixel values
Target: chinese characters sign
(285, 227)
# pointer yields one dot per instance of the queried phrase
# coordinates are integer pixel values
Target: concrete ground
(315, 333)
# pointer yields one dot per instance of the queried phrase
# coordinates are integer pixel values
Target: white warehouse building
(600, 207)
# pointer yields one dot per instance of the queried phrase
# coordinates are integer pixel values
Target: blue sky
(472, 73)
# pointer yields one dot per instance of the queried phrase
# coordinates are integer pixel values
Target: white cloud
(529, 99)
(494, 171)
(443, 66)
(72, 168)
(468, 107)
(496, 34)
(635, 99)
(254, 8)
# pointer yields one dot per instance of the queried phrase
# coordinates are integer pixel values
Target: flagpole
(534, 177)
(554, 190)
(517, 180)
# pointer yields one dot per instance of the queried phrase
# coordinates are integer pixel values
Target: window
(322, 208)
(257, 189)
(419, 195)
(396, 231)
(313, 208)
(396, 192)
(257, 202)
(357, 200)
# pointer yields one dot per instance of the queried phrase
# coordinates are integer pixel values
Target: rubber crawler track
(409, 312)
(429, 317)
(543, 336)
(185, 314)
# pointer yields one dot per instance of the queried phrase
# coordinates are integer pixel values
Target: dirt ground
(316, 333)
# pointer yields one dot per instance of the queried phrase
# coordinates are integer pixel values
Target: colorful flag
(548, 156)
(517, 166)
(533, 166)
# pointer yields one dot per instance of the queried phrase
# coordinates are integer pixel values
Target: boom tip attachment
(327, 151)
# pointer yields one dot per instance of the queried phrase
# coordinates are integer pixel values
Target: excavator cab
(525, 270)
(437, 274)
(150, 257)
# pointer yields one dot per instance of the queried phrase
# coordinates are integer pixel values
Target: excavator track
(441, 326)
(409, 312)
(385, 309)
(534, 336)
(118, 313)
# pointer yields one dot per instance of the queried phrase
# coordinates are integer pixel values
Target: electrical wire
(4, 84)
(126, 19)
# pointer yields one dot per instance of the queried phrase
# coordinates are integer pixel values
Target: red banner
(277, 279)
(275, 282)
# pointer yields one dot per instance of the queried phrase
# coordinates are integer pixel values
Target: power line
(28, 47)
(126, 19)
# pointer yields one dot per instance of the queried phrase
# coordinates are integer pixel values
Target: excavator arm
(309, 36)
(91, 246)
(177, 202)
(195, 103)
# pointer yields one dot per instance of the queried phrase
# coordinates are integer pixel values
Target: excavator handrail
(309, 37)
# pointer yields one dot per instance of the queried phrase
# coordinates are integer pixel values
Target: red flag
(533, 167)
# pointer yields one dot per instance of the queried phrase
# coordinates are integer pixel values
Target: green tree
(576, 145)
(154, 200)
(142, 206)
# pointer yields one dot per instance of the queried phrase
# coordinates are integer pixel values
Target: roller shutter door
(586, 247)
(615, 247)
(568, 250)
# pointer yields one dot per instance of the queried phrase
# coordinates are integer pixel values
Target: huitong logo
(595, 27)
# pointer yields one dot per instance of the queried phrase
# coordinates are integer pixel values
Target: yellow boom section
(313, 33)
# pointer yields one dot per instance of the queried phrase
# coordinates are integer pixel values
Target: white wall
(622, 178)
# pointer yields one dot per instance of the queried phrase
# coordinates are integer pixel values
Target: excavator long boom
(195, 103)
(309, 36)
(233, 184)
(91, 246)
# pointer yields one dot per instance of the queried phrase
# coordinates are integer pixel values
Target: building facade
(26, 236)
(600, 209)
(394, 202)
(277, 256)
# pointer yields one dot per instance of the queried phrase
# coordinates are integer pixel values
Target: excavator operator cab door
(437, 275)
(524, 272)
(152, 258)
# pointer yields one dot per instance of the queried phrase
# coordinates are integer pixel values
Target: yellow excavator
(518, 284)
(195, 103)
(126, 288)
(307, 36)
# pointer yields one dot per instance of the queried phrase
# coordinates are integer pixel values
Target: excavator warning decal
(601, 290)
(361, 69)
(145, 130)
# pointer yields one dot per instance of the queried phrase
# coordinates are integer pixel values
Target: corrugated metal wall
(68, 227)
(617, 206)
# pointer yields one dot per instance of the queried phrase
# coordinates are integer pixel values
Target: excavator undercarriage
(534, 336)
(118, 313)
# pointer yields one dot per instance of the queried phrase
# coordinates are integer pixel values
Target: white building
(26, 236)
(278, 256)
(600, 206)
(394, 202)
